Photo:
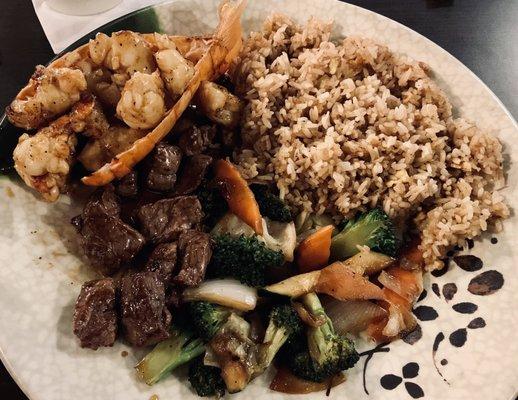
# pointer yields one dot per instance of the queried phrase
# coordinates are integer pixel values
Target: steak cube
(107, 241)
(163, 164)
(192, 174)
(164, 220)
(163, 260)
(195, 253)
(144, 315)
(95, 318)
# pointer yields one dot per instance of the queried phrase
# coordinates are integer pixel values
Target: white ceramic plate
(458, 356)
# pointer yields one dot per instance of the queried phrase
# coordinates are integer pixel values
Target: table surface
(482, 34)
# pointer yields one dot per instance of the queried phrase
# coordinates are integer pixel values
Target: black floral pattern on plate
(381, 348)
(449, 290)
(425, 313)
(458, 337)
(409, 371)
(483, 284)
(486, 283)
(465, 308)
(436, 290)
(437, 341)
(468, 262)
(414, 336)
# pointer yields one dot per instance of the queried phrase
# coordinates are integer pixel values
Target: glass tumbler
(82, 7)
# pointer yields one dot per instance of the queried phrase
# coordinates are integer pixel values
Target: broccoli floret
(207, 318)
(213, 204)
(373, 229)
(206, 380)
(270, 205)
(244, 258)
(327, 352)
(284, 323)
(181, 347)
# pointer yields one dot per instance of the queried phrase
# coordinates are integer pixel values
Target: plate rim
(17, 378)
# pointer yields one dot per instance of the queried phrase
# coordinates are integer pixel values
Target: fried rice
(345, 126)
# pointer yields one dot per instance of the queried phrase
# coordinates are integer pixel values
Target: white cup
(82, 7)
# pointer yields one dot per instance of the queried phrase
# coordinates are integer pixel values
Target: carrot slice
(238, 195)
(340, 282)
(314, 251)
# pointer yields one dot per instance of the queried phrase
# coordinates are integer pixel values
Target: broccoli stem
(319, 342)
(180, 348)
(327, 353)
(313, 304)
(284, 323)
(274, 337)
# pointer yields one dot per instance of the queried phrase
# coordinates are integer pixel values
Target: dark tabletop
(483, 34)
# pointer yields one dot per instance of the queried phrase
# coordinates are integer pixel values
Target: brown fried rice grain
(345, 126)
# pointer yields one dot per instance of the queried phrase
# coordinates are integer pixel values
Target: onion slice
(295, 286)
(226, 292)
(353, 316)
(368, 262)
(280, 236)
(285, 382)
